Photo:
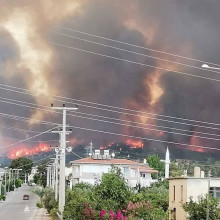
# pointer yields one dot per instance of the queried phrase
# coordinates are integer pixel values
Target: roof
(192, 177)
(145, 169)
(90, 160)
(135, 165)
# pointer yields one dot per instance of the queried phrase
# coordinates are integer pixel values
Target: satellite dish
(69, 149)
(113, 154)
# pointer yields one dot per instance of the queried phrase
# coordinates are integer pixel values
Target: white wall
(90, 173)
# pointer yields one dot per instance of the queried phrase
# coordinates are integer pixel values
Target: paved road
(14, 206)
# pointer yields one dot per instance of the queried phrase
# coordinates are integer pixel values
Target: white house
(90, 170)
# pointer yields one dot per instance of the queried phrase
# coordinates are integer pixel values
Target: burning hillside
(26, 151)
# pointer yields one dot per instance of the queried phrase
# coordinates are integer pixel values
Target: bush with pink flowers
(113, 200)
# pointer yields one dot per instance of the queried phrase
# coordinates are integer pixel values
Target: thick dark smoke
(181, 27)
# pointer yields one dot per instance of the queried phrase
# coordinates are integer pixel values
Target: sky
(107, 52)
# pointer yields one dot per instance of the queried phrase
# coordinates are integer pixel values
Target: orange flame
(195, 141)
(135, 144)
(24, 151)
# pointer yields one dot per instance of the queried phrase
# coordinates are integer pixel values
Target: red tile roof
(147, 169)
(90, 160)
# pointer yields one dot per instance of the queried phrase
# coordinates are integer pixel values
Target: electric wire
(15, 117)
(104, 105)
(133, 52)
(147, 124)
(109, 110)
(117, 123)
(134, 62)
(18, 129)
(18, 142)
(137, 46)
(143, 138)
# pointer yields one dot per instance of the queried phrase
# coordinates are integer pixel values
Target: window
(173, 214)
(181, 193)
(215, 191)
(174, 195)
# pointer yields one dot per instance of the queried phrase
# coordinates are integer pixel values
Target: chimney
(145, 161)
(202, 174)
(197, 172)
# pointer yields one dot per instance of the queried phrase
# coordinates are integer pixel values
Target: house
(182, 188)
(90, 170)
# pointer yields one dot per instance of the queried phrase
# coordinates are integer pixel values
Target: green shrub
(39, 205)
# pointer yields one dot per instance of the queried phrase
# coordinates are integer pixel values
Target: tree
(157, 195)
(154, 162)
(40, 177)
(198, 210)
(22, 163)
(40, 192)
(113, 187)
(175, 170)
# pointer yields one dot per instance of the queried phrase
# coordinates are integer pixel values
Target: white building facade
(90, 170)
(181, 189)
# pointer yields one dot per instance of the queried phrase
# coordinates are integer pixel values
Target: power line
(134, 62)
(151, 129)
(151, 125)
(137, 46)
(143, 138)
(9, 145)
(15, 117)
(134, 126)
(133, 52)
(18, 129)
(132, 114)
(15, 139)
(104, 105)
(76, 154)
(37, 160)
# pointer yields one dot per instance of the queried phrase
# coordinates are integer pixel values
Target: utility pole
(48, 176)
(14, 177)
(0, 187)
(62, 184)
(9, 179)
(207, 210)
(18, 173)
(25, 181)
(56, 174)
(5, 182)
(89, 150)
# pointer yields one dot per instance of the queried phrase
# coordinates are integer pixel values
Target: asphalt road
(14, 206)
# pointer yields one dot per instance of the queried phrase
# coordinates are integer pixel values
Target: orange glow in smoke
(195, 141)
(25, 151)
(135, 144)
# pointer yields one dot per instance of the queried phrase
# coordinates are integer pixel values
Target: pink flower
(112, 215)
(102, 213)
(119, 215)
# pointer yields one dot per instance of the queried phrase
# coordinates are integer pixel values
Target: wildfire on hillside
(135, 144)
(195, 141)
(25, 151)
